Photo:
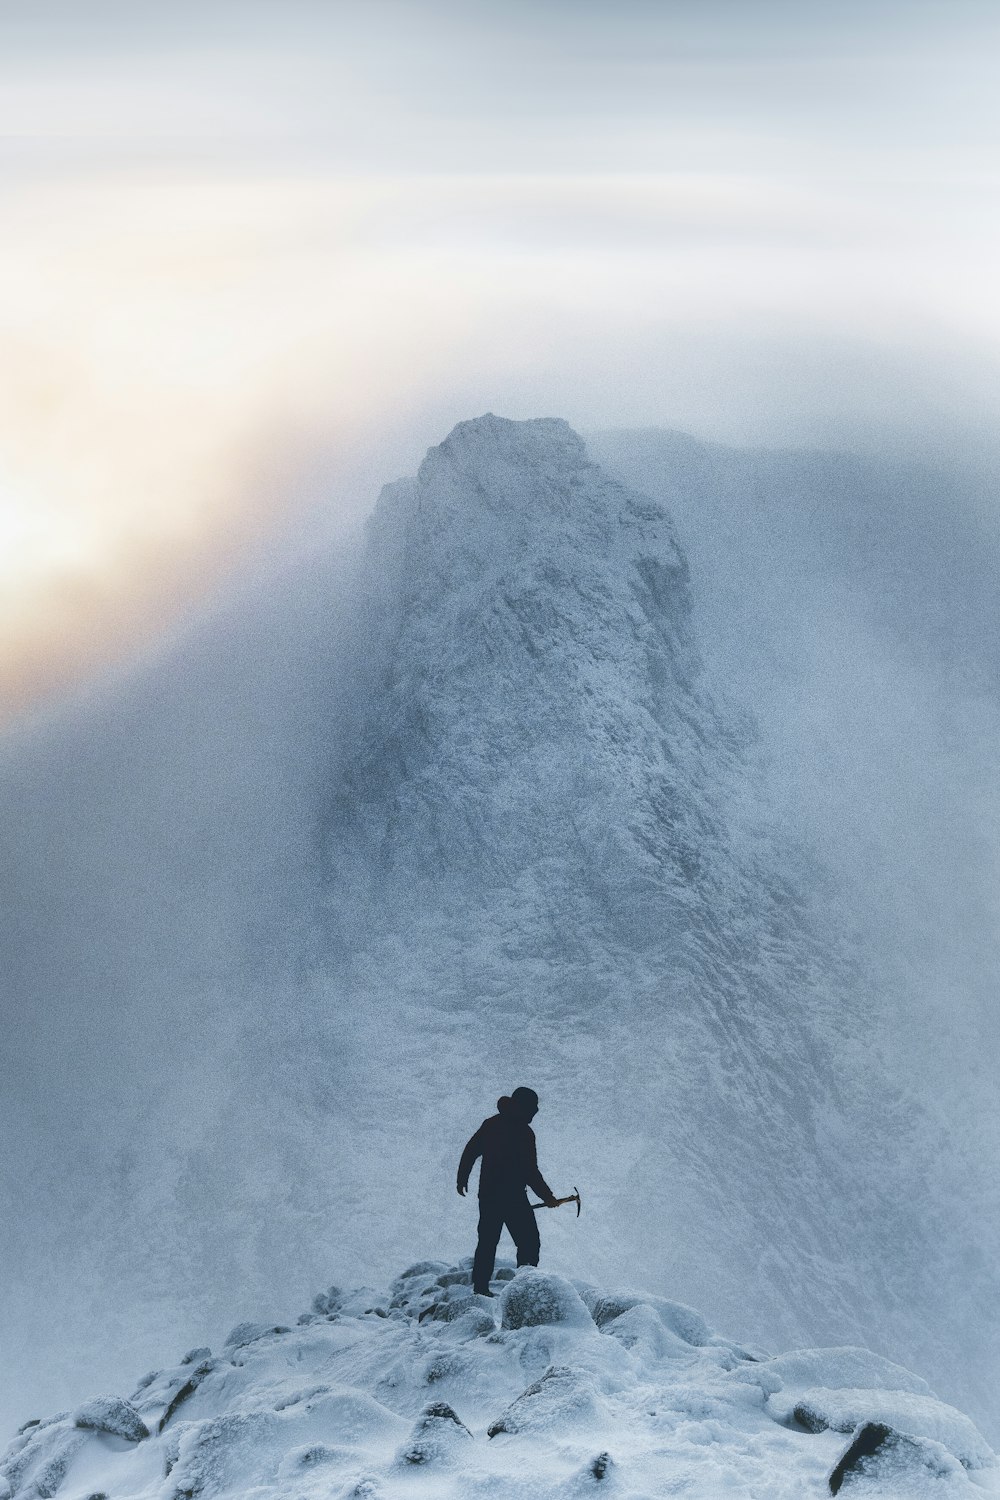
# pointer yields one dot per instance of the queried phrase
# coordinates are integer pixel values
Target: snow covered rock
(437, 1438)
(194, 1356)
(325, 1304)
(549, 1405)
(563, 1397)
(880, 1461)
(688, 1325)
(835, 1369)
(162, 1394)
(249, 1333)
(433, 1268)
(535, 1297)
(917, 1416)
(36, 1464)
(112, 1414)
(447, 1309)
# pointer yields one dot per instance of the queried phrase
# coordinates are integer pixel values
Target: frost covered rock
(432, 1268)
(36, 1463)
(536, 1297)
(325, 1304)
(448, 1309)
(688, 1325)
(880, 1461)
(918, 1416)
(112, 1414)
(437, 1438)
(169, 1390)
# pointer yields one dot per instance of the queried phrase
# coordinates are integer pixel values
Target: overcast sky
(243, 240)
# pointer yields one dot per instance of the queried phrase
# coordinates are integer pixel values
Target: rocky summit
(550, 1389)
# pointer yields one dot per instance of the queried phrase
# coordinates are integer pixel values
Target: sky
(256, 252)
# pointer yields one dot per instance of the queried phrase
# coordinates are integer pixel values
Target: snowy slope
(549, 1390)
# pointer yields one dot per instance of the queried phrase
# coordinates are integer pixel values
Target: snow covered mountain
(532, 835)
(552, 858)
(551, 1390)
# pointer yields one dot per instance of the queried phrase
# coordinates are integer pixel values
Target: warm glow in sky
(238, 234)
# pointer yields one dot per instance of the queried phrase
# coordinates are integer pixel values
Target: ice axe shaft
(574, 1197)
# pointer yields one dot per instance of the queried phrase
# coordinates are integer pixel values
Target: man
(506, 1143)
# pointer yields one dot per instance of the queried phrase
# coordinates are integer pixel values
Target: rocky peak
(535, 654)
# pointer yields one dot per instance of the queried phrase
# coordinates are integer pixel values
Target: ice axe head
(575, 1197)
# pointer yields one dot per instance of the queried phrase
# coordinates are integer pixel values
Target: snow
(524, 1396)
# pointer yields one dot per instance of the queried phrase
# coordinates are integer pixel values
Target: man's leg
(490, 1226)
(520, 1220)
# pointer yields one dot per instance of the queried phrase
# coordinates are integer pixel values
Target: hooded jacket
(506, 1143)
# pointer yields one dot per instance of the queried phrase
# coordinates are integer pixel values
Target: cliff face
(535, 671)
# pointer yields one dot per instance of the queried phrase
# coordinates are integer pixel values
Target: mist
(157, 830)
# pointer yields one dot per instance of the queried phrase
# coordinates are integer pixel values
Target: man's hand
(463, 1188)
(551, 1202)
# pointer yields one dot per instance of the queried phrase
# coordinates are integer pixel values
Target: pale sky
(240, 235)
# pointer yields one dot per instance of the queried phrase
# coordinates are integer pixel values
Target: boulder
(536, 1297)
(455, 1278)
(437, 1438)
(642, 1330)
(684, 1322)
(448, 1309)
(898, 1411)
(879, 1456)
(325, 1303)
(112, 1414)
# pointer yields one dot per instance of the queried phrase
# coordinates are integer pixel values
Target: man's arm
(533, 1177)
(470, 1156)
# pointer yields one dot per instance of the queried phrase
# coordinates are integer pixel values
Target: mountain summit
(551, 1389)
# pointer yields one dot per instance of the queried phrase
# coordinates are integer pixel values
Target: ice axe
(574, 1197)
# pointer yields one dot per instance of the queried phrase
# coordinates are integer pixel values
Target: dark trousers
(519, 1217)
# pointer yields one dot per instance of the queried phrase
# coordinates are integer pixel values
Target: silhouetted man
(506, 1142)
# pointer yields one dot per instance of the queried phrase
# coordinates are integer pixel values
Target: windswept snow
(424, 1390)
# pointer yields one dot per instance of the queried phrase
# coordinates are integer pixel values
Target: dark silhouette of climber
(506, 1143)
